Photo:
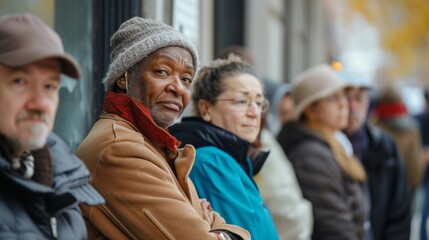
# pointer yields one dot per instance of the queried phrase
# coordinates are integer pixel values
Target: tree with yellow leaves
(404, 33)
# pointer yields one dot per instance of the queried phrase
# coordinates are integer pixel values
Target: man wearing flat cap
(41, 181)
(133, 160)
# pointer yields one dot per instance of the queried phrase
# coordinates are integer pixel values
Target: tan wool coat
(145, 197)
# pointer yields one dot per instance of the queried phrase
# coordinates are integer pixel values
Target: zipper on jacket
(54, 229)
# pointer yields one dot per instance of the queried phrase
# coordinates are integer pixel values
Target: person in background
(276, 179)
(41, 181)
(423, 120)
(390, 115)
(277, 183)
(228, 103)
(134, 162)
(286, 106)
(387, 192)
(329, 178)
(282, 107)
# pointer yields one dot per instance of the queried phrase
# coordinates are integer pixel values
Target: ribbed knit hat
(136, 39)
(314, 84)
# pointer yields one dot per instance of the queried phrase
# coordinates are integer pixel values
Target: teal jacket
(222, 174)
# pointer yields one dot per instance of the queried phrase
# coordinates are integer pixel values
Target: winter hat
(25, 39)
(354, 78)
(136, 39)
(314, 84)
(390, 109)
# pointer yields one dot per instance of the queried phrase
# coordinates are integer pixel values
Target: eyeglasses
(243, 104)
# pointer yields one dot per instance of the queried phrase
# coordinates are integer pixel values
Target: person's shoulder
(380, 141)
(315, 147)
(57, 146)
(113, 129)
(213, 156)
(203, 153)
(423, 116)
(68, 168)
(66, 165)
(376, 134)
(64, 160)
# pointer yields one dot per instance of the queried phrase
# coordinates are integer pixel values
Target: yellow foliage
(404, 30)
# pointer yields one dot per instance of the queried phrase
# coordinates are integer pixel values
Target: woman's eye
(18, 81)
(241, 101)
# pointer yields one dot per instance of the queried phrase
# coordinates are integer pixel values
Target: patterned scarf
(24, 164)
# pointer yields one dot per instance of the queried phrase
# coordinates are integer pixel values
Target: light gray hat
(136, 39)
(314, 84)
(354, 79)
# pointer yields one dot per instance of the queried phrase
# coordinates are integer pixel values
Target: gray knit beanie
(136, 39)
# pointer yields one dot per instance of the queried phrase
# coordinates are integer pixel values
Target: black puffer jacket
(30, 210)
(338, 202)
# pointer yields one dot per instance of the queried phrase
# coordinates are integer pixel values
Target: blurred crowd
(325, 155)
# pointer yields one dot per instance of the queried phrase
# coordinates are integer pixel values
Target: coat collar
(137, 114)
(199, 133)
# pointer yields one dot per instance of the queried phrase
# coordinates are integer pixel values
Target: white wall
(307, 37)
(206, 45)
(265, 36)
(286, 36)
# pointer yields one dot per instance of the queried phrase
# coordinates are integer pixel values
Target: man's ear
(204, 108)
(121, 82)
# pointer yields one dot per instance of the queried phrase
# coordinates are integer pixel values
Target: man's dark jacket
(388, 186)
(48, 210)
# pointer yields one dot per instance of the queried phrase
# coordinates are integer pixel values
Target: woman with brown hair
(228, 102)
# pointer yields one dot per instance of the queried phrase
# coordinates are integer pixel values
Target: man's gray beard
(40, 132)
(162, 122)
(358, 117)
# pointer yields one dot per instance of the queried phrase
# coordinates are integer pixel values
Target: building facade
(284, 37)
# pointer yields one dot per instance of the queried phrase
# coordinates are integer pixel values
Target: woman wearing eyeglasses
(228, 101)
(329, 178)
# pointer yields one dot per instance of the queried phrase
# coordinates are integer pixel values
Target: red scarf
(137, 114)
